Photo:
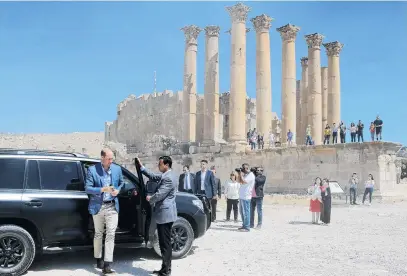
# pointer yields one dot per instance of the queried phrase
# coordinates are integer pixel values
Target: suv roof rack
(5, 151)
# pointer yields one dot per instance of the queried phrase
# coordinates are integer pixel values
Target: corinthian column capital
(212, 30)
(304, 61)
(262, 23)
(191, 33)
(314, 40)
(238, 12)
(333, 49)
(288, 32)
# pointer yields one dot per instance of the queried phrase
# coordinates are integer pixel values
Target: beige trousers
(107, 216)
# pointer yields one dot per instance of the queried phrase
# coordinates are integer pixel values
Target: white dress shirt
(203, 175)
(187, 181)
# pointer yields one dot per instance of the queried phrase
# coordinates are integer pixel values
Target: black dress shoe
(158, 271)
(107, 269)
(99, 263)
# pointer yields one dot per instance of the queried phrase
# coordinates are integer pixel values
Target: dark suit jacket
(165, 209)
(181, 183)
(218, 187)
(260, 180)
(209, 182)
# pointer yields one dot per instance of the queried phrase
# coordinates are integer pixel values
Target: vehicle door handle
(34, 203)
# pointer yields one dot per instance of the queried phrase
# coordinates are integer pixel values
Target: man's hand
(148, 198)
(215, 197)
(135, 193)
(108, 189)
(138, 161)
(114, 192)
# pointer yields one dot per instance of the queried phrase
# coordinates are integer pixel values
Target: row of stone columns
(319, 93)
(320, 88)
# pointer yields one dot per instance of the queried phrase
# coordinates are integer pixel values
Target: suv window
(59, 175)
(12, 173)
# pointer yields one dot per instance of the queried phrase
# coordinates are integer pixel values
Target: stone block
(215, 149)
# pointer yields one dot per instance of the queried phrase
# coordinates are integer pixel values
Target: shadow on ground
(125, 262)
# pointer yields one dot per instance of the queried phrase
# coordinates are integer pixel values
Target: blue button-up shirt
(107, 181)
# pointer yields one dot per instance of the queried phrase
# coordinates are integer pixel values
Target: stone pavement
(362, 240)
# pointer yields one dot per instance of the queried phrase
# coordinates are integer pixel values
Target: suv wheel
(17, 250)
(182, 237)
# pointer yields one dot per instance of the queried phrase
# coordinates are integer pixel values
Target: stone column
(314, 42)
(288, 111)
(189, 92)
(333, 50)
(262, 24)
(211, 88)
(304, 98)
(324, 90)
(298, 112)
(237, 100)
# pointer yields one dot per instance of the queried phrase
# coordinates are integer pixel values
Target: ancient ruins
(188, 118)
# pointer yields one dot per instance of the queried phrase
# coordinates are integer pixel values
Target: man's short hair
(186, 166)
(204, 161)
(245, 164)
(166, 160)
(104, 151)
(213, 168)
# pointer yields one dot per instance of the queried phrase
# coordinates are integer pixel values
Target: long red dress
(315, 204)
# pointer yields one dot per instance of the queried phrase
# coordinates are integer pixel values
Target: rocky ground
(362, 240)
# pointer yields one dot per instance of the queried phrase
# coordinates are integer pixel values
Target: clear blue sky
(64, 67)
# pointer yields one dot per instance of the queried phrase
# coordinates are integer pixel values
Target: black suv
(44, 209)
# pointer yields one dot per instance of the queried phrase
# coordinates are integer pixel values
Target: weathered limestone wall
(292, 170)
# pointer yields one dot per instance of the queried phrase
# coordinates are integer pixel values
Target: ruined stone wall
(292, 170)
(140, 118)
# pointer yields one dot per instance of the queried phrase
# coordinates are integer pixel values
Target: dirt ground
(362, 240)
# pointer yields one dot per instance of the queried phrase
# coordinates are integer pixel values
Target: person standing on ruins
(342, 132)
(218, 189)
(353, 130)
(205, 182)
(289, 138)
(247, 180)
(257, 198)
(372, 131)
(103, 183)
(187, 181)
(308, 135)
(327, 134)
(360, 127)
(165, 208)
(232, 195)
(334, 134)
(378, 124)
(353, 186)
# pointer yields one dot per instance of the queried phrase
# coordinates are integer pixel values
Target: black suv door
(54, 198)
(11, 186)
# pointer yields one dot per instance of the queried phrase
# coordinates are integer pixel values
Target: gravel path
(362, 240)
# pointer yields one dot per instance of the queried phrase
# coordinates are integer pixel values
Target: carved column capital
(191, 33)
(314, 40)
(288, 32)
(262, 23)
(304, 61)
(230, 31)
(212, 30)
(238, 12)
(333, 48)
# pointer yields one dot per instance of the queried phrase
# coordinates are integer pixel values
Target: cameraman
(246, 180)
(257, 198)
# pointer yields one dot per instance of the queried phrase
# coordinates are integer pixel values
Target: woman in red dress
(316, 200)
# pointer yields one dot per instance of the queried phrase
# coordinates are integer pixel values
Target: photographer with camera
(246, 179)
(257, 197)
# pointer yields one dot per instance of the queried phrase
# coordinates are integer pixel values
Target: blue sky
(64, 67)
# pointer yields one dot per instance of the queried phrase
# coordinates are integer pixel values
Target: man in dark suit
(218, 189)
(103, 183)
(165, 209)
(187, 181)
(205, 181)
(257, 198)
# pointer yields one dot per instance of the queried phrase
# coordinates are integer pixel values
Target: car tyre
(183, 229)
(20, 238)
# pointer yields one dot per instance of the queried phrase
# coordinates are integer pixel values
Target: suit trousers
(108, 216)
(164, 240)
(214, 203)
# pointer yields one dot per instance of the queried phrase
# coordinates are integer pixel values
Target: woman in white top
(369, 184)
(232, 195)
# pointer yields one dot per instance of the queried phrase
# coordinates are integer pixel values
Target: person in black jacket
(218, 190)
(257, 198)
(326, 202)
